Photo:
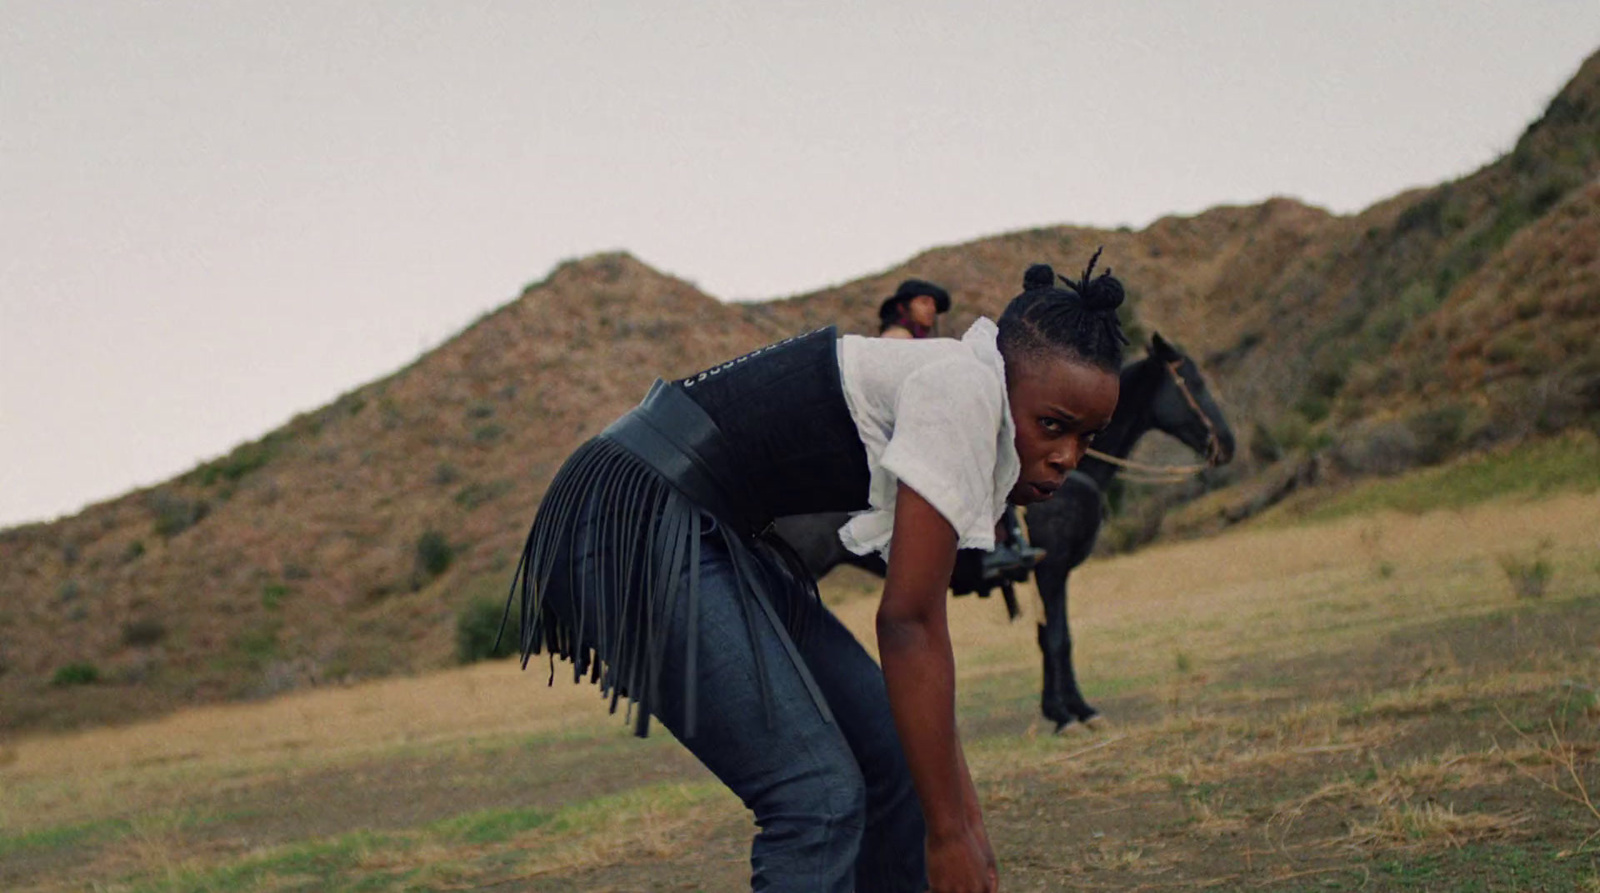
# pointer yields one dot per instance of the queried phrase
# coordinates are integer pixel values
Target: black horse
(1164, 392)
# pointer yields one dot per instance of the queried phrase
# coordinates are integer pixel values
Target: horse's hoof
(1094, 722)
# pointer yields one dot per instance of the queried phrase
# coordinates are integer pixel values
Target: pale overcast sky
(216, 215)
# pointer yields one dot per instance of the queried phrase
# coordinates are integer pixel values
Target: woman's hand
(975, 819)
(982, 835)
(962, 863)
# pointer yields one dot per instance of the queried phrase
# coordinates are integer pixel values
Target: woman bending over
(651, 567)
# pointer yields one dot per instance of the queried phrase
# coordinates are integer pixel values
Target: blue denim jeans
(832, 796)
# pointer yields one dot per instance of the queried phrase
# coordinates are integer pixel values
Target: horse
(1163, 391)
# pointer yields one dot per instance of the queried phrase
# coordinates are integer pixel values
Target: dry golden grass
(58, 778)
(1266, 594)
(1262, 591)
(654, 822)
(1417, 824)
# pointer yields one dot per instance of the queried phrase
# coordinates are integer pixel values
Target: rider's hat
(912, 288)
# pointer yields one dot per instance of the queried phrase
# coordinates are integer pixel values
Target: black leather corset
(787, 427)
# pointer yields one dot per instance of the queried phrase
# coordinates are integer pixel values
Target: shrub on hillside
(434, 553)
(475, 494)
(1528, 575)
(1523, 407)
(1370, 380)
(476, 626)
(143, 633)
(273, 594)
(258, 643)
(241, 461)
(68, 591)
(174, 514)
(1438, 431)
(1387, 447)
(1291, 432)
(1313, 407)
(445, 474)
(76, 674)
(488, 433)
(1264, 448)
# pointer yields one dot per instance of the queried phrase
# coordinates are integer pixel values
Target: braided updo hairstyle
(1077, 317)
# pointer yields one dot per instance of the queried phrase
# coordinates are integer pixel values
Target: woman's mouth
(1044, 491)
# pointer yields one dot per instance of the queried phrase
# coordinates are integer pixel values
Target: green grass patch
(1480, 868)
(45, 839)
(317, 865)
(365, 860)
(101, 831)
(591, 816)
(491, 825)
(1563, 464)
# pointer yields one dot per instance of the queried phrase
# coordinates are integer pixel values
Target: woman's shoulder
(902, 355)
(975, 350)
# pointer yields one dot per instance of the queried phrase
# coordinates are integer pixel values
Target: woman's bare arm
(919, 668)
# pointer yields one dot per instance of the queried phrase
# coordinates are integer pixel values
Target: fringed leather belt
(672, 434)
(641, 492)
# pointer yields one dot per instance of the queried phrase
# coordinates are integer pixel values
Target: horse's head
(1182, 405)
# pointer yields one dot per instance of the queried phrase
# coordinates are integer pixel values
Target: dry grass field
(1380, 701)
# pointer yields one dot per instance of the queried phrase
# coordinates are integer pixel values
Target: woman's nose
(1068, 457)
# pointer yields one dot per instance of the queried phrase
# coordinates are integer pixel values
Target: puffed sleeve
(944, 443)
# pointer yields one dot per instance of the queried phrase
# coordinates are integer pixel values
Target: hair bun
(1103, 294)
(1038, 276)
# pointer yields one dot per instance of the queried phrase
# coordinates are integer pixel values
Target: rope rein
(1169, 474)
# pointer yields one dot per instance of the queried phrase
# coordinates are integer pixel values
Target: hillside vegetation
(345, 544)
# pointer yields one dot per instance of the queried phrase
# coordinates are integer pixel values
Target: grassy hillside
(345, 544)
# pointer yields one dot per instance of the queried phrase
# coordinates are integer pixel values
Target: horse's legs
(1054, 643)
(1061, 701)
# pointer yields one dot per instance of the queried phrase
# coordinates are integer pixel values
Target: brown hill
(344, 544)
(318, 552)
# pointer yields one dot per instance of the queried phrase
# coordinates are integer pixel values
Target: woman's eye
(1054, 426)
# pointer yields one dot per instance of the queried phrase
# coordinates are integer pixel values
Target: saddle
(1010, 562)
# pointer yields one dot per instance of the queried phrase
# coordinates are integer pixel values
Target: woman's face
(923, 310)
(1059, 405)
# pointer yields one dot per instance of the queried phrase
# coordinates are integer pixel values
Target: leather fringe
(644, 536)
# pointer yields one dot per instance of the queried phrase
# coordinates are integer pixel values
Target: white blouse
(932, 413)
